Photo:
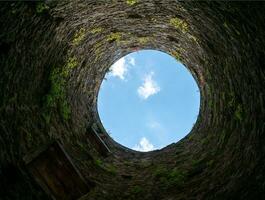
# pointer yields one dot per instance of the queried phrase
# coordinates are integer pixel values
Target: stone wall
(54, 55)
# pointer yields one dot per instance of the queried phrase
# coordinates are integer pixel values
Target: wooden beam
(97, 141)
(55, 172)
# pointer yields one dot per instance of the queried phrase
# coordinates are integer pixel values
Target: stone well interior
(54, 55)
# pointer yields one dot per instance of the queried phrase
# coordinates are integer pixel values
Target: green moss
(175, 54)
(41, 7)
(225, 25)
(47, 117)
(106, 167)
(237, 32)
(136, 190)
(210, 163)
(160, 171)
(65, 110)
(239, 113)
(81, 145)
(70, 64)
(131, 2)
(98, 51)
(96, 30)
(176, 178)
(169, 178)
(143, 40)
(79, 36)
(114, 37)
(57, 95)
(179, 24)
(98, 163)
(195, 162)
(57, 87)
(111, 169)
(232, 100)
(145, 163)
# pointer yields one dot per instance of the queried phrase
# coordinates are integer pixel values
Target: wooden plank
(97, 141)
(56, 174)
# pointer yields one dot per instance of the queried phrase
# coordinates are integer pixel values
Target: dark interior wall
(54, 56)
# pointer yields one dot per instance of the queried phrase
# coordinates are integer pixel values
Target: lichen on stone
(79, 36)
(96, 30)
(97, 50)
(114, 37)
(193, 38)
(179, 24)
(175, 54)
(131, 2)
(143, 40)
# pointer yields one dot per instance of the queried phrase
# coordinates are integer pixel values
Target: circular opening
(148, 100)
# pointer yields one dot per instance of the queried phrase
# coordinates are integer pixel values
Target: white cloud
(149, 87)
(131, 61)
(120, 68)
(144, 145)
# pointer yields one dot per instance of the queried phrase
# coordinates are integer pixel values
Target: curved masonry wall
(54, 56)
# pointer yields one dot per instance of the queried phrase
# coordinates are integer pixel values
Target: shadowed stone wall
(54, 55)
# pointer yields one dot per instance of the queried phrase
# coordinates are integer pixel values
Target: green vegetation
(96, 30)
(205, 140)
(179, 24)
(232, 100)
(175, 54)
(225, 25)
(79, 36)
(169, 178)
(239, 112)
(57, 95)
(98, 50)
(145, 163)
(98, 163)
(131, 2)
(210, 163)
(83, 147)
(136, 190)
(106, 167)
(71, 64)
(195, 162)
(111, 169)
(41, 7)
(114, 37)
(143, 40)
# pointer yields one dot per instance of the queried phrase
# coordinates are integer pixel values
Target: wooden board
(97, 141)
(56, 174)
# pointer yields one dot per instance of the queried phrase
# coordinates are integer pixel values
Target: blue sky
(148, 100)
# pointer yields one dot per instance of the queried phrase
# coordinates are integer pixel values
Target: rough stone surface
(54, 55)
